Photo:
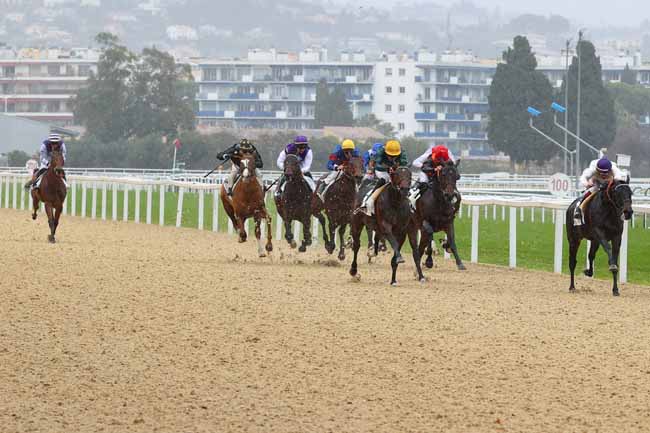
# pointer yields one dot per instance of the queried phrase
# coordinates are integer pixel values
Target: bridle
(611, 186)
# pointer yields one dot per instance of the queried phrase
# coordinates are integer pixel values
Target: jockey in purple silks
(300, 148)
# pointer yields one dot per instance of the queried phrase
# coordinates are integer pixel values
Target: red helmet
(440, 153)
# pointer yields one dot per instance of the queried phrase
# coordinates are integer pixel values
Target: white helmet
(54, 138)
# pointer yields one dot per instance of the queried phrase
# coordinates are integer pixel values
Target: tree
(634, 99)
(597, 117)
(628, 76)
(17, 158)
(331, 108)
(135, 96)
(516, 85)
(371, 121)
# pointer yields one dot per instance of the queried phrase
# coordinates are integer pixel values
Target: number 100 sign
(559, 185)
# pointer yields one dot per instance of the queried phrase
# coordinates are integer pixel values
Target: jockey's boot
(577, 215)
(29, 183)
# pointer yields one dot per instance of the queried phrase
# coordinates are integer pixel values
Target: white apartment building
(38, 84)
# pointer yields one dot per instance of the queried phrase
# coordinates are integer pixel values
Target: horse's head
(619, 195)
(292, 166)
(447, 175)
(247, 165)
(57, 162)
(400, 178)
(354, 168)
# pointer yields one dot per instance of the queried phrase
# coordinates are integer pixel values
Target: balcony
(426, 116)
(210, 113)
(244, 96)
(254, 114)
(434, 134)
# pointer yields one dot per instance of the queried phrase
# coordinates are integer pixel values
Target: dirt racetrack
(125, 327)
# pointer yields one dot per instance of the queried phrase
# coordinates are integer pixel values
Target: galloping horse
(248, 201)
(435, 211)
(603, 224)
(339, 203)
(392, 221)
(294, 203)
(52, 192)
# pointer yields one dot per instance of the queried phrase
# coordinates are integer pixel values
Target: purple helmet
(604, 166)
(291, 148)
(301, 139)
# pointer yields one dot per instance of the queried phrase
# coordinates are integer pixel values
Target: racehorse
(436, 210)
(603, 224)
(52, 192)
(294, 203)
(392, 221)
(339, 203)
(248, 201)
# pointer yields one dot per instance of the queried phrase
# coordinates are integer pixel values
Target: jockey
(368, 158)
(234, 153)
(429, 160)
(342, 154)
(388, 157)
(599, 173)
(300, 148)
(53, 142)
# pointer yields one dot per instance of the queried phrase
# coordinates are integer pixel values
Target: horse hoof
(615, 293)
(423, 280)
(356, 278)
(262, 255)
(613, 268)
(399, 260)
(589, 273)
(293, 244)
(51, 239)
(34, 217)
(572, 289)
(383, 248)
(341, 257)
(353, 271)
(429, 263)
(269, 247)
(462, 267)
(393, 283)
(302, 249)
(371, 253)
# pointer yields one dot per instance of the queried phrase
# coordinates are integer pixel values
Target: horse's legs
(616, 247)
(228, 207)
(371, 244)
(306, 234)
(397, 257)
(288, 233)
(269, 234)
(574, 244)
(592, 255)
(342, 228)
(329, 246)
(50, 221)
(241, 229)
(35, 202)
(355, 231)
(451, 241)
(413, 242)
(321, 220)
(425, 245)
(388, 234)
(258, 236)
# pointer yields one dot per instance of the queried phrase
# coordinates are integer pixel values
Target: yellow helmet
(393, 148)
(347, 144)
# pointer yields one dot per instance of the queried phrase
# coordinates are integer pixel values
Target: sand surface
(125, 327)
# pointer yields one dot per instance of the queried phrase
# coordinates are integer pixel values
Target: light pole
(536, 113)
(566, 101)
(578, 45)
(560, 109)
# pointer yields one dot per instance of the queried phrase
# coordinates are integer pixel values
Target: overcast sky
(585, 12)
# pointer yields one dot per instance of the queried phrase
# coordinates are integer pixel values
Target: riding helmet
(377, 147)
(393, 148)
(54, 138)
(604, 166)
(440, 153)
(245, 144)
(301, 139)
(347, 144)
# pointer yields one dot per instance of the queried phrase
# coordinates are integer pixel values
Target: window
(402, 72)
(389, 72)
(53, 70)
(401, 126)
(388, 108)
(401, 108)
(210, 74)
(389, 90)
(402, 90)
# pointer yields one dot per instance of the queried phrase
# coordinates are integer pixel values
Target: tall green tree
(135, 95)
(597, 116)
(371, 121)
(516, 85)
(331, 108)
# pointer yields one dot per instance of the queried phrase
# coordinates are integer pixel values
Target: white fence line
(10, 183)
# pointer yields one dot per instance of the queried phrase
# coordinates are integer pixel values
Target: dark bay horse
(294, 204)
(52, 193)
(248, 201)
(392, 221)
(436, 209)
(603, 225)
(339, 203)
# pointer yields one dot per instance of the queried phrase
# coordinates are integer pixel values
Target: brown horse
(52, 192)
(339, 203)
(248, 201)
(392, 220)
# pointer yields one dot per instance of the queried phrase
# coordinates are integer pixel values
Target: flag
(178, 144)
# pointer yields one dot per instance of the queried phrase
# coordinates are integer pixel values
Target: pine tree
(628, 76)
